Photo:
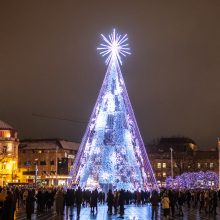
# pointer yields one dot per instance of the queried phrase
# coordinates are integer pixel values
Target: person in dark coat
(94, 201)
(8, 208)
(188, 198)
(59, 200)
(173, 199)
(180, 201)
(215, 202)
(30, 204)
(78, 199)
(121, 201)
(110, 201)
(39, 197)
(69, 200)
(116, 196)
(16, 197)
(49, 201)
(154, 200)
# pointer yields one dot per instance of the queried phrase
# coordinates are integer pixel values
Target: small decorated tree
(194, 180)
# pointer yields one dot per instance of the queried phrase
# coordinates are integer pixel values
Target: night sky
(49, 66)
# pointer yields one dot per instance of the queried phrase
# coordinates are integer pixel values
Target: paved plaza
(131, 213)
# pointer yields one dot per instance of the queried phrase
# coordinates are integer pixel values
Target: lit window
(164, 174)
(43, 162)
(5, 134)
(9, 147)
(27, 163)
(4, 166)
(205, 165)
(39, 151)
(199, 165)
(211, 165)
(164, 165)
(159, 174)
(4, 149)
(158, 165)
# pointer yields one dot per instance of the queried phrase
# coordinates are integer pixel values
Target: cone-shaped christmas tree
(112, 152)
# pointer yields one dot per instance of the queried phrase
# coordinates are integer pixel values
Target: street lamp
(171, 161)
(56, 165)
(36, 171)
(219, 163)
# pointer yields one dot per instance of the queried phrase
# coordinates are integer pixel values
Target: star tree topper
(114, 46)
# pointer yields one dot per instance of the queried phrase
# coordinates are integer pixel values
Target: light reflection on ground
(132, 212)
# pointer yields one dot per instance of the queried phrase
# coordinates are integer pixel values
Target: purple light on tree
(112, 153)
(194, 180)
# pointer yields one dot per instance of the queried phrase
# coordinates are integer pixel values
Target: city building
(185, 157)
(47, 161)
(8, 154)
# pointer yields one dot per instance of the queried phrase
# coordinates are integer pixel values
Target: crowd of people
(42, 200)
(172, 202)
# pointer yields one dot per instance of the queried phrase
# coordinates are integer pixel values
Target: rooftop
(5, 126)
(48, 144)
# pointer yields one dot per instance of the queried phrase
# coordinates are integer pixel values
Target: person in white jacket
(165, 202)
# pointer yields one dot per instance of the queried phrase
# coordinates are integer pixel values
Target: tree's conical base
(112, 152)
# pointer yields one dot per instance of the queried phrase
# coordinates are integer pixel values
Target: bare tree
(184, 162)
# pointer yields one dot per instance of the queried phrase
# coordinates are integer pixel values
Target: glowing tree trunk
(112, 153)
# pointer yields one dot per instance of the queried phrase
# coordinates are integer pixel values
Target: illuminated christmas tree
(112, 153)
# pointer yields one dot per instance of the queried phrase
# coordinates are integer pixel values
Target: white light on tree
(114, 47)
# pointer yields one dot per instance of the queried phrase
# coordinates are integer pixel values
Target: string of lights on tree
(194, 180)
(112, 152)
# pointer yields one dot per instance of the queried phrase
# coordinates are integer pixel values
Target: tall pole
(56, 165)
(36, 171)
(219, 163)
(171, 162)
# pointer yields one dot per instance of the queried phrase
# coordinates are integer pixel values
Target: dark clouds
(49, 65)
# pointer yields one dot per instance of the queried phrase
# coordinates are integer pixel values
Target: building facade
(8, 154)
(185, 158)
(47, 161)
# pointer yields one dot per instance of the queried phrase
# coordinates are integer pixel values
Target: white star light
(114, 47)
